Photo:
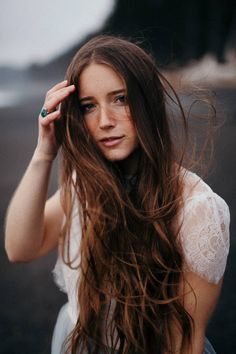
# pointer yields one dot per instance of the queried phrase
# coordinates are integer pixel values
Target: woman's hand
(47, 146)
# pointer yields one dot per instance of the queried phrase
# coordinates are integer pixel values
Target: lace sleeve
(58, 277)
(205, 235)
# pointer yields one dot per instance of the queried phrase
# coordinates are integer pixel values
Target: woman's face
(103, 101)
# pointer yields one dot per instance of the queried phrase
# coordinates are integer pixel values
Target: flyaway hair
(131, 259)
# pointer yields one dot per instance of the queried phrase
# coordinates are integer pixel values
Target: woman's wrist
(40, 155)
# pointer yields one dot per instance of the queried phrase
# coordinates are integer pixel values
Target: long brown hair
(129, 250)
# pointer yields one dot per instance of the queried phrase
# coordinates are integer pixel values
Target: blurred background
(194, 42)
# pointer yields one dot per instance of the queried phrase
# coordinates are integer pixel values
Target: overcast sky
(37, 30)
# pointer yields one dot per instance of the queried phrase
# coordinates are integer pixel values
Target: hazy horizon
(33, 32)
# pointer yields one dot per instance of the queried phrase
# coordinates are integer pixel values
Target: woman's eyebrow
(87, 98)
(112, 93)
(115, 92)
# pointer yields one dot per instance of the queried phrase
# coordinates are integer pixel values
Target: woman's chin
(116, 156)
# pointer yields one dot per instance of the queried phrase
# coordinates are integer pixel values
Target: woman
(143, 242)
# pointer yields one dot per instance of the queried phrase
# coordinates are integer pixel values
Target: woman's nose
(106, 120)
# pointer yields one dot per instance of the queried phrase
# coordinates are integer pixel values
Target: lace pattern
(65, 277)
(204, 238)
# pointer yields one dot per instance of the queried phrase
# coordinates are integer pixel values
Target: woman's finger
(50, 117)
(52, 102)
(60, 95)
(57, 87)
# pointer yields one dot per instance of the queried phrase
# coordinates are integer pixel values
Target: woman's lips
(111, 141)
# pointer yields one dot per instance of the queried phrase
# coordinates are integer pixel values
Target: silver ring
(44, 112)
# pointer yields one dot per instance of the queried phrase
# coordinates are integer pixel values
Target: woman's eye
(121, 99)
(85, 108)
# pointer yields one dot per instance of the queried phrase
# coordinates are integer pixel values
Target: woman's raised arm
(32, 223)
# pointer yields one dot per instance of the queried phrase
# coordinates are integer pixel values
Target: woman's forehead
(100, 76)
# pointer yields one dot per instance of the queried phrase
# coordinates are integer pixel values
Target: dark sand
(29, 300)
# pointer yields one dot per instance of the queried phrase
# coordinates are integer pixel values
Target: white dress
(204, 238)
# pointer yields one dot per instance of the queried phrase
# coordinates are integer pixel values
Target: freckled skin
(103, 101)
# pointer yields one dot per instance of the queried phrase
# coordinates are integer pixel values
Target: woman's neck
(129, 166)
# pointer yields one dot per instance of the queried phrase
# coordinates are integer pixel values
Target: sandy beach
(29, 299)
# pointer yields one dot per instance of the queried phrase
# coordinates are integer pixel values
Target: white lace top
(204, 238)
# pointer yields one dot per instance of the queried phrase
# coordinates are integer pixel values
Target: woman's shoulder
(193, 185)
(197, 191)
(204, 231)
